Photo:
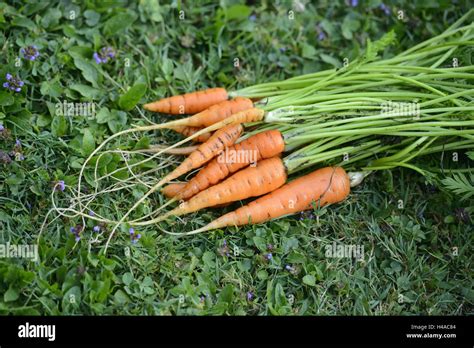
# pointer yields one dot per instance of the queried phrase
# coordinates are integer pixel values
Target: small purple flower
(354, 3)
(91, 213)
(282, 49)
(96, 228)
(253, 17)
(249, 296)
(76, 230)
(385, 8)
(289, 268)
(104, 55)
(60, 185)
(321, 36)
(17, 143)
(98, 60)
(269, 256)
(134, 236)
(1, 128)
(30, 52)
(224, 243)
(110, 52)
(13, 83)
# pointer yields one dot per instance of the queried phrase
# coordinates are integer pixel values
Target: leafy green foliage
(118, 23)
(374, 48)
(461, 184)
(128, 100)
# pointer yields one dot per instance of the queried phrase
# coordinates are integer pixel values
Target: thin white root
(185, 150)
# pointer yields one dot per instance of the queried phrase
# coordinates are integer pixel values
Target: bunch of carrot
(300, 124)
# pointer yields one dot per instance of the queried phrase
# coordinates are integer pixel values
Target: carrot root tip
(356, 178)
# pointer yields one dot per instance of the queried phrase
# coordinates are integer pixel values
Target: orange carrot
(246, 116)
(266, 176)
(260, 146)
(219, 112)
(188, 131)
(221, 139)
(171, 190)
(212, 115)
(323, 186)
(188, 103)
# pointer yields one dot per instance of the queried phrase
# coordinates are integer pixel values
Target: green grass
(417, 258)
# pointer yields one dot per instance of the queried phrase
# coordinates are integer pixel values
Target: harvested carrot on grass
(217, 112)
(260, 146)
(188, 103)
(214, 114)
(321, 187)
(266, 176)
(246, 116)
